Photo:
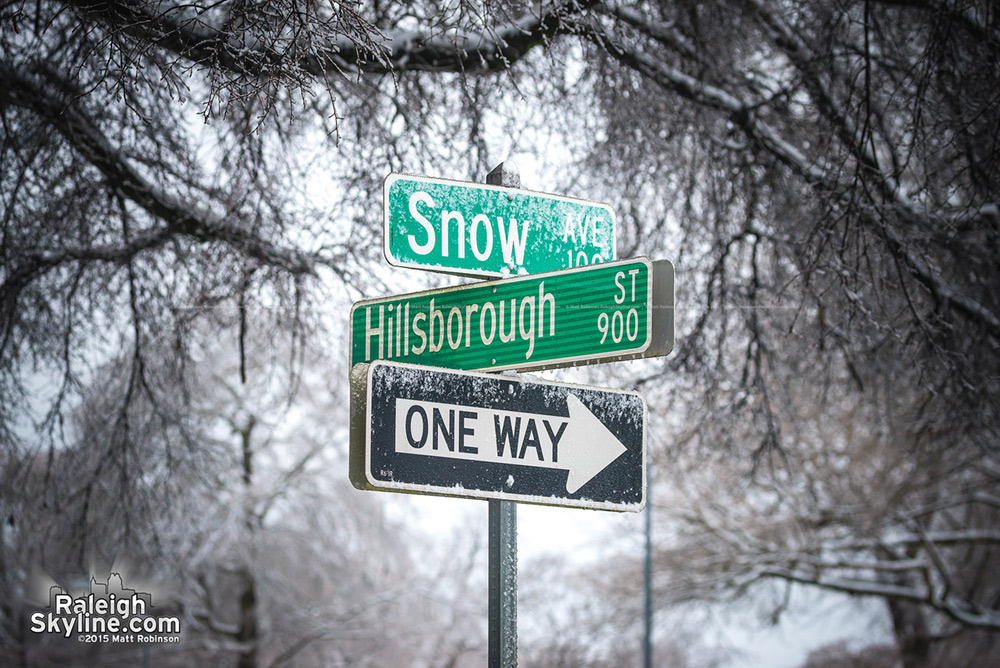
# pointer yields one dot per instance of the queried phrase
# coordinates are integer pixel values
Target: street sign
(460, 433)
(602, 312)
(475, 229)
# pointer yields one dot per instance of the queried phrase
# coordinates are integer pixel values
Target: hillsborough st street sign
(475, 229)
(601, 312)
(459, 433)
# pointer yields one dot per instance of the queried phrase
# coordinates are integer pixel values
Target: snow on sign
(475, 229)
(602, 312)
(459, 433)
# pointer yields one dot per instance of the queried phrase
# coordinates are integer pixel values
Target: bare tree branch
(347, 47)
(48, 96)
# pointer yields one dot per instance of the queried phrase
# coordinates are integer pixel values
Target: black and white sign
(459, 433)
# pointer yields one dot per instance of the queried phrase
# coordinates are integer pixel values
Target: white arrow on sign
(580, 443)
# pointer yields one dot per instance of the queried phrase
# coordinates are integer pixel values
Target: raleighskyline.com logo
(110, 612)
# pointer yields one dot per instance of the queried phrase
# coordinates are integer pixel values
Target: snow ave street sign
(460, 433)
(602, 312)
(475, 229)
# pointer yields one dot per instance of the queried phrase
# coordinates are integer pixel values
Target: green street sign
(598, 313)
(473, 229)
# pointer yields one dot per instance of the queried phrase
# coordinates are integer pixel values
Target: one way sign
(458, 433)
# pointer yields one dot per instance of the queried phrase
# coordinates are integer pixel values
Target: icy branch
(957, 610)
(43, 94)
(372, 52)
(742, 113)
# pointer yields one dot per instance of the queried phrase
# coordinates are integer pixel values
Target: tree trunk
(248, 595)
(248, 622)
(910, 630)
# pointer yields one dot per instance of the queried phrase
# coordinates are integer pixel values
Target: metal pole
(503, 539)
(647, 650)
(503, 584)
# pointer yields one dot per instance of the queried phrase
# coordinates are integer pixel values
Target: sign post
(502, 545)
(425, 420)
(502, 633)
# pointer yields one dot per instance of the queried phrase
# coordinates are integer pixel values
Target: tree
(832, 656)
(852, 147)
(263, 550)
(575, 622)
(830, 262)
(865, 503)
(825, 176)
